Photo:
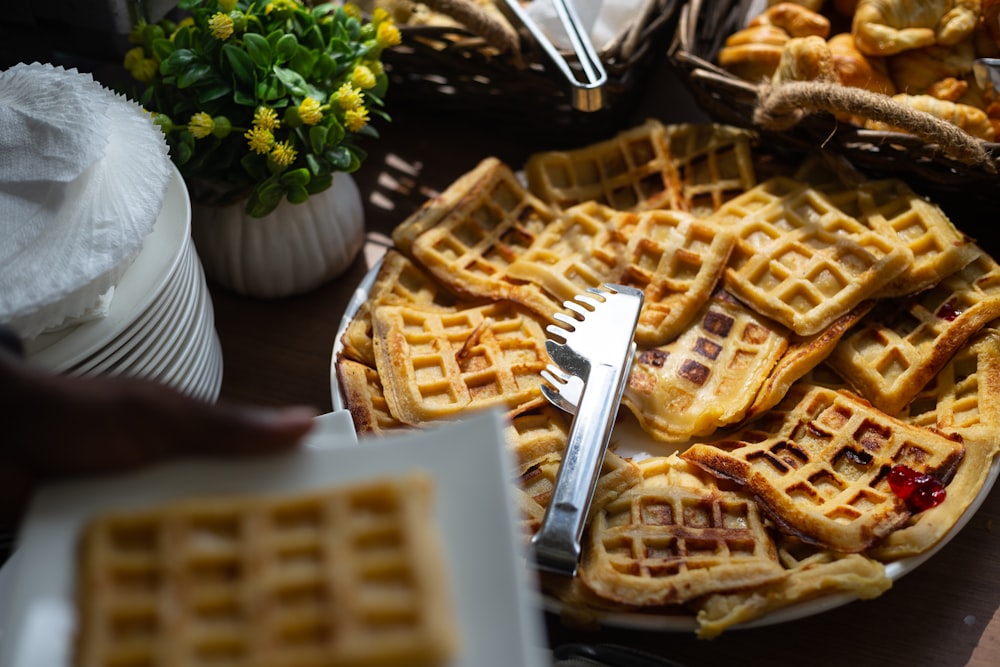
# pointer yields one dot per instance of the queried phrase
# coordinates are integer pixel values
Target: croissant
(915, 71)
(888, 27)
(972, 120)
(857, 70)
(796, 20)
(753, 53)
(805, 59)
(811, 5)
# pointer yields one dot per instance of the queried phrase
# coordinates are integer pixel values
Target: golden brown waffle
(676, 260)
(580, 249)
(668, 541)
(356, 341)
(891, 208)
(364, 398)
(708, 376)
(804, 353)
(490, 224)
(815, 575)
(964, 399)
(436, 365)
(651, 166)
(801, 260)
(349, 575)
(818, 465)
(904, 342)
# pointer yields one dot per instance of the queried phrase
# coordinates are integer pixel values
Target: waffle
(469, 246)
(891, 208)
(819, 574)
(651, 166)
(580, 249)
(667, 541)
(352, 575)
(400, 281)
(804, 353)
(676, 260)
(963, 399)
(364, 398)
(904, 342)
(708, 376)
(435, 365)
(802, 261)
(818, 463)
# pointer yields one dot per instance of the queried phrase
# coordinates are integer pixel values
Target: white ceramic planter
(294, 249)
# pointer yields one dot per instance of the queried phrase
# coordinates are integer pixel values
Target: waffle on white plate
(351, 575)
(801, 337)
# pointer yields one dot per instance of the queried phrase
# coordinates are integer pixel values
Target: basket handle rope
(496, 32)
(782, 107)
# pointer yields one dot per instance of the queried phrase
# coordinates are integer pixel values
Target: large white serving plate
(630, 441)
(498, 615)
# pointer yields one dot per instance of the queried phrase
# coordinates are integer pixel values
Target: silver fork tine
(565, 389)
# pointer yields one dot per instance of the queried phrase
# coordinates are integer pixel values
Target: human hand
(57, 426)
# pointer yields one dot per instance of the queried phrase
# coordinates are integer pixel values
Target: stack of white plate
(160, 324)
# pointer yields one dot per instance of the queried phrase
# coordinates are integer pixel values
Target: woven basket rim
(723, 95)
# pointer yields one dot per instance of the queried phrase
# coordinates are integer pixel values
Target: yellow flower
(259, 139)
(281, 6)
(355, 119)
(200, 125)
(266, 118)
(387, 35)
(375, 66)
(380, 14)
(310, 111)
(363, 78)
(221, 26)
(353, 10)
(227, 5)
(283, 154)
(146, 70)
(348, 97)
(187, 21)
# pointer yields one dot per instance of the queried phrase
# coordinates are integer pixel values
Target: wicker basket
(702, 28)
(453, 71)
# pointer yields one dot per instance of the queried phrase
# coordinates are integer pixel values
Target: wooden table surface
(278, 352)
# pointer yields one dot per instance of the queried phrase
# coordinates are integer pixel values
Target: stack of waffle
(800, 338)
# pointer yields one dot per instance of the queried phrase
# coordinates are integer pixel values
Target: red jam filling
(919, 491)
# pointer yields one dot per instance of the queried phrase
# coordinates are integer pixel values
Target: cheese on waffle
(903, 342)
(708, 376)
(352, 575)
(674, 537)
(818, 465)
(801, 260)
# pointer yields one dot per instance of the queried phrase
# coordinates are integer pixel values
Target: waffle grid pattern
(345, 576)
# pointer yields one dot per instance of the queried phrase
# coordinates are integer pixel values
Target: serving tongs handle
(586, 87)
(557, 542)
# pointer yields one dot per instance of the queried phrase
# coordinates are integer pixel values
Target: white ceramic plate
(629, 440)
(136, 291)
(500, 624)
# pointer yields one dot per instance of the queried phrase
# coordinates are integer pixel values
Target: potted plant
(265, 106)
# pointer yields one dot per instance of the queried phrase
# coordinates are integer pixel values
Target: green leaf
(295, 178)
(214, 91)
(340, 158)
(286, 47)
(259, 50)
(270, 89)
(162, 48)
(178, 61)
(325, 66)
(240, 62)
(315, 168)
(194, 74)
(294, 82)
(304, 62)
(317, 138)
(320, 183)
(244, 98)
(298, 194)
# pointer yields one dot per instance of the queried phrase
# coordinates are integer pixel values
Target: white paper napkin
(83, 174)
(603, 19)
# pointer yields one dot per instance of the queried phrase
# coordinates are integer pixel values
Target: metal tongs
(586, 86)
(597, 351)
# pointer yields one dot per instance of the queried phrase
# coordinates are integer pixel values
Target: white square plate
(498, 612)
